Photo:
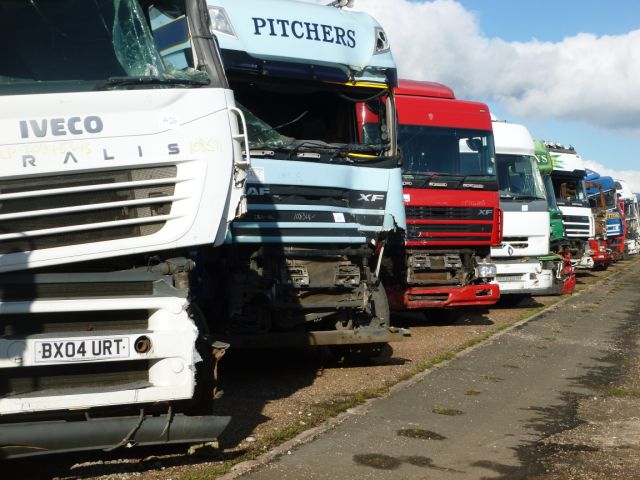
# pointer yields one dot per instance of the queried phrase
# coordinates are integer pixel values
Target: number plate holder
(81, 349)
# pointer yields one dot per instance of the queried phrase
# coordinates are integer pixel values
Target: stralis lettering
(59, 127)
(318, 32)
(73, 158)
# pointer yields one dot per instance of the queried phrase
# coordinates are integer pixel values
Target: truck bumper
(133, 345)
(441, 297)
(525, 278)
(26, 439)
(587, 262)
(359, 336)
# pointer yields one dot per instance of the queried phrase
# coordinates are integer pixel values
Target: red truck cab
(451, 202)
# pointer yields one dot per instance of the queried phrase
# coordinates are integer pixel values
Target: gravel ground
(604, 443)
(269, 393)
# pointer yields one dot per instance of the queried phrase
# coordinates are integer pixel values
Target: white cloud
(584, 77)
(632, 177)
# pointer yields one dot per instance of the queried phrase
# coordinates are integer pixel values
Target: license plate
(79, 350)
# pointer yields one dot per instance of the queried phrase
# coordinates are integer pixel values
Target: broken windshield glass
(69, 45)
(261, 134)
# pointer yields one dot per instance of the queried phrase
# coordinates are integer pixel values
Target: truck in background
(301, 266)
(559, 244)
(630, 208)
(116, 165)
(451, 202)
(586, 233)
(526, 217)
(603, 198)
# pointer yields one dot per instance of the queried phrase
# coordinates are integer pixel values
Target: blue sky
(548, 20)
(569, 70)
(518, 20)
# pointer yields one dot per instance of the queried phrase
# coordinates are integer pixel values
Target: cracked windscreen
(261, 134)
(81, 45)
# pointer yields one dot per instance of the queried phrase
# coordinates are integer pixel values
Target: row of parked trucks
(181, 176)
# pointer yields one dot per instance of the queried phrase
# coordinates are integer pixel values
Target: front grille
(66, 378)
(448, 213)
(575, 219)
(433, 232)
(84, 207)
(76, 322)
(515, 242)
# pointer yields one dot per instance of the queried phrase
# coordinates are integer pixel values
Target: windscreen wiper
(143, 80)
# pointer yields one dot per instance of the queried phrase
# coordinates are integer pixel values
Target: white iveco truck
(526, 217)
(115, 164)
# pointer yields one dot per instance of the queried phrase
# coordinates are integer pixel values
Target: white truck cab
(115, 165)
(526, 217)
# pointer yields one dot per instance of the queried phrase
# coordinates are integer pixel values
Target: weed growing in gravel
(472, 392)
(617, 391)
(452, 412)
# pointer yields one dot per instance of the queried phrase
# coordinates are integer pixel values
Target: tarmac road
(485, 413)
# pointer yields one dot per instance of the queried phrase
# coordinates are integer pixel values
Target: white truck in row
(115, 166)
(526, 216)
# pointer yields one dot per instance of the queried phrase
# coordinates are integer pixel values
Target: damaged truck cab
(451, 202)
(586, 234)
(526, 217)
(115, 165)
(322, 194)
(559, 243)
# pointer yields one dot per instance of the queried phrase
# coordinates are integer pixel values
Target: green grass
(617, 391)
(472, 392)
(451, 412)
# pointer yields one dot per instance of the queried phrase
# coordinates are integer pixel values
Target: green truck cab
(558, 241)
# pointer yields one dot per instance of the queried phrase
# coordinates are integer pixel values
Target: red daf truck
(451, 201)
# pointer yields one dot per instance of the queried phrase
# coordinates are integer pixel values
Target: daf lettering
(258, 191)
(60, 127)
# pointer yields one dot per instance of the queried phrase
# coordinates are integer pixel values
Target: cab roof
(424, 89)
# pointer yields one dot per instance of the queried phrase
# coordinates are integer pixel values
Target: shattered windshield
(80, 45)
(261, 134)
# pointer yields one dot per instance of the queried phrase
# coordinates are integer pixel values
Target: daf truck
(560, 245)
(116, 165)
(450, 199)
(585, 232)
(526, 217)
(301, 266)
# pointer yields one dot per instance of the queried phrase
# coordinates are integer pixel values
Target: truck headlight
(486, 270)
(220, 22)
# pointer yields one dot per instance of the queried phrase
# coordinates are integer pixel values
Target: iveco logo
(371, 197)
(59, 127)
